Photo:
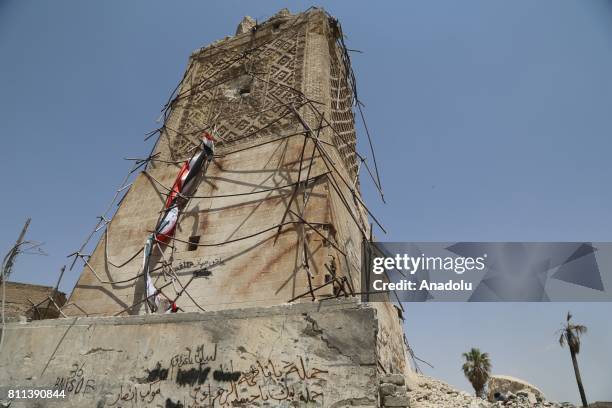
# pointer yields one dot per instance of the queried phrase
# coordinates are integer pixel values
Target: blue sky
(491, 121)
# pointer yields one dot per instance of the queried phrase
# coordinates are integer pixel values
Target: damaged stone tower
(266, 251)
(274, 214)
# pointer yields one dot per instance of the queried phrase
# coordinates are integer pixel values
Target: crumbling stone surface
(283, 13)
(246, 25)
(396, 401)
(18, 298)
(431, 393)
(393, 391)
(397, 379)
(390, 389)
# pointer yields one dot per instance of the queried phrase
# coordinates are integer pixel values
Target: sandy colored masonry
(20, 298)
(279, 103)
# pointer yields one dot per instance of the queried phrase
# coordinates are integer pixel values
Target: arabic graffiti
(198, 357)
(198, 377)
(135, 393)
(158, 373)
(200, 266)
(226, 376)
(265, 382)
(192, 376)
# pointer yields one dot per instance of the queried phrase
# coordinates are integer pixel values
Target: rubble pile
(418, 391)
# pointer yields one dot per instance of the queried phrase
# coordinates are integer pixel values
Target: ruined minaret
(253, 252)
(277, 215)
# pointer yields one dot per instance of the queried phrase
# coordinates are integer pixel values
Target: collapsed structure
(260, 237)
(34, 302)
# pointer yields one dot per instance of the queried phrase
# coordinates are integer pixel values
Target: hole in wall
(193, 243)
(245, 90)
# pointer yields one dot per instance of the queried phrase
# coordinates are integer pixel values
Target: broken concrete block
(397, 379)
(396, 401)
(387, 389)
(411, 384)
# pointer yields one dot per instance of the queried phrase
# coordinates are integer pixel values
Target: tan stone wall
(391, 350)
(21, 296)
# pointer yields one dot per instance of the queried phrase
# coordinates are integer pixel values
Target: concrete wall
(317, 354)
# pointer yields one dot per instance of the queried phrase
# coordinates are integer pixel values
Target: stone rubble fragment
(246, 25)
(419, 391)
(501, 384)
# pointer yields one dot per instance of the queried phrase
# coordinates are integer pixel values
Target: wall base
(308, 354)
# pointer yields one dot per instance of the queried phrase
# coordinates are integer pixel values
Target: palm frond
(570, 334)
(580, 329)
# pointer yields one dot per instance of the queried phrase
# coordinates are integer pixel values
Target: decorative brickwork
(243, 88)
(342, 117)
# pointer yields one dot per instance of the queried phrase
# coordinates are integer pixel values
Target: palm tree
(477, 368)
(570, 334)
